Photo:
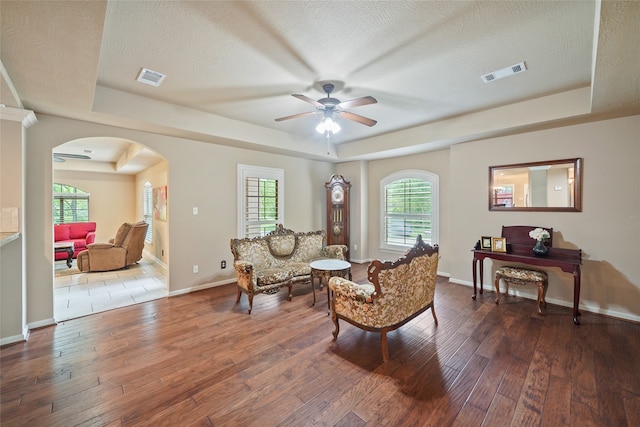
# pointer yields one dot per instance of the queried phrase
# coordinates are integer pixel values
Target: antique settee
(123, 250)
(80, 233)
(281, 258)
(398, 292)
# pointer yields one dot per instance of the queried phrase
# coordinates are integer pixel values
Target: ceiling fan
(328, 106)
(59, 157)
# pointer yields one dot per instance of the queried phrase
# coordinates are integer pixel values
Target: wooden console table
(568, 260)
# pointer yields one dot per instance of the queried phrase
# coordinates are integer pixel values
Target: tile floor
(82, 294)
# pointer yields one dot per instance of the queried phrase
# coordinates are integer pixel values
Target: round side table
(325, 269)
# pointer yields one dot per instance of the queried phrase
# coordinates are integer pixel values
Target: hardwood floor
(199, 359)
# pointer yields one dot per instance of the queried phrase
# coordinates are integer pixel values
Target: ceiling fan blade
(356, 118)
(72, 156)
(294, 116)
(365, 100)
(309, 100)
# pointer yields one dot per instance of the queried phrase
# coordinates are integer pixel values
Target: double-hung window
(260, 200)
(70, 204)
(409, 207)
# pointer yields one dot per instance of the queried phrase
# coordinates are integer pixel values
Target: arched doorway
(117, 177)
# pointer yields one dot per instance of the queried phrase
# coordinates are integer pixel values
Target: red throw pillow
(61, 232)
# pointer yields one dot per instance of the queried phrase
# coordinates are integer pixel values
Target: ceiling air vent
(150, 77)
(504, 72)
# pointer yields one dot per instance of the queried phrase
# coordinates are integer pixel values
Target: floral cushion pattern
(282, 246)
(521, 276)
(404, 290)
(309, 247)
(272, 276)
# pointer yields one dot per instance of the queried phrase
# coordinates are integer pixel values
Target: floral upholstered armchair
(399, 291)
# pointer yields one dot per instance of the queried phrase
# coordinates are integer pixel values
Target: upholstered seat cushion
(299, 268)
(270, 276)
(521, 276)
(353, 290)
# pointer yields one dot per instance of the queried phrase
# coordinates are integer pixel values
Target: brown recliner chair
(123, 250)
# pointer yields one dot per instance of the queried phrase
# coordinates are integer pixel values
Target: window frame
(435, 207)
(61, 197)
(257, 172)
(147, 210)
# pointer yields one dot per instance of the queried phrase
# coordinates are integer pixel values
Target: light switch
(195, 211)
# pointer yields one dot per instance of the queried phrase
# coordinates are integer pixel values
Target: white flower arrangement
(540, 234)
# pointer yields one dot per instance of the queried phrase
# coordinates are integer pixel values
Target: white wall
(607, 230)
(12, 276)
(200, 175)
(157, 176)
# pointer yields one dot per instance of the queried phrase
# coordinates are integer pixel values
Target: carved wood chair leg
(539, 302)
(544, 293)
(250, 302)
(433, 312)
(385, 348)
(497, 285)
(239, 295)
(290, 291)
(336, 331)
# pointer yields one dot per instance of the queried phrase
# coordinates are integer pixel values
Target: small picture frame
(498, 244)
(485, 242)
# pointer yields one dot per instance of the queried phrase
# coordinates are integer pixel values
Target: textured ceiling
(232, 66)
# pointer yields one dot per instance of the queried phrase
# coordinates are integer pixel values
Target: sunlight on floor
(81, 294)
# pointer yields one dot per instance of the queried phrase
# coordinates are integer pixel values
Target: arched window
(70, 204)
(409, 207)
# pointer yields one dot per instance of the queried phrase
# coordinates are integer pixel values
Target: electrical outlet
(355, 247)
(195, 211)
(223, 264)
(195, 268)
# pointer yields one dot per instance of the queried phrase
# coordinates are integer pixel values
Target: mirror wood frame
(577, 187)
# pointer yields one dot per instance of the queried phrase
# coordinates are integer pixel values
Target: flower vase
(540, 249)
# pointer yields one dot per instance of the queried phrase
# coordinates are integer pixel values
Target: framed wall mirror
(550, 186)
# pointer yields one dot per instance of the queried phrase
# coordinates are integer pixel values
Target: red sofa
(80, 233)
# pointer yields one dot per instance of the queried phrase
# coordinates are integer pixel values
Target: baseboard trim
(201, 287)
(42, 323)
(24, 336)
(584, 305)
(12, 340)
(155, 259)
(360, 261)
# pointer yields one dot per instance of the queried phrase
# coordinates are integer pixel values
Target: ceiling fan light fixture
(328, 125)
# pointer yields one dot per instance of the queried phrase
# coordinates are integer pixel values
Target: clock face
(337, 195)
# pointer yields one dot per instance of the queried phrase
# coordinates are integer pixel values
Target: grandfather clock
(337, 210)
